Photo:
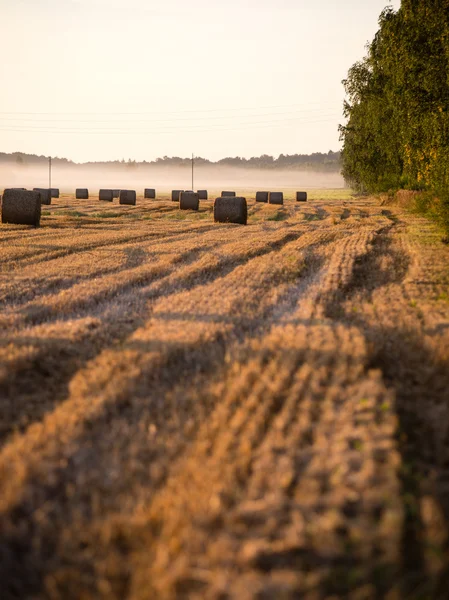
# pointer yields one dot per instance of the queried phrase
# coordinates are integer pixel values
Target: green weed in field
(73, 213)
(107, 215)
(279, 215)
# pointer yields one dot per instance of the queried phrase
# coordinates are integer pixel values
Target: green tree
(397, 107)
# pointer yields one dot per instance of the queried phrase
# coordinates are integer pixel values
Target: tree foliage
(397, 108)
(318, 161)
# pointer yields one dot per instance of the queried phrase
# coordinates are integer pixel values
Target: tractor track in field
(208, 411)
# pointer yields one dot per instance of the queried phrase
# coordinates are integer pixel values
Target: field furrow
(195, 410)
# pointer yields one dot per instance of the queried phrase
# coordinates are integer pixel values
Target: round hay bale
(115, 193)
(45, 195)
(202, 194)
(262, 196)
(189, 201)
(127, 197)
(54, 192)
(106, 195)
(301, 196)
(150, 193)
(175, 195)
(230, 209)
(21, 207)
(276, 198)
(228, 194)
(82, 194)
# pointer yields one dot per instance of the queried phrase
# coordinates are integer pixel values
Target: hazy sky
(106, 79)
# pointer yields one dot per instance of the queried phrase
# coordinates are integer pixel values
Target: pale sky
(139, 79)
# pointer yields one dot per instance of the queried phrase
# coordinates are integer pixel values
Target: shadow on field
(33, 387)
(319, 214)
(24, 563)
(382, 265)
(36, 547)
(421, 384)
(420, 381)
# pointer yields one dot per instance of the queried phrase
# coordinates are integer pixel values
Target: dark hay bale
(45, 195)
(54, 192)
(150, 193)
(202, 194)
(106, 195)
(228, 194)
(262, 196)
(21, 207)
(276, 198)
(230, 209)
(127, 197)
(189, 201)
(115, 193)
(82, 194)
(175, 195)
(301, 196)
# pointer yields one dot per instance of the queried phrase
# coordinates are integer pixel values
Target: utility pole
(193, 162)
(49, 172)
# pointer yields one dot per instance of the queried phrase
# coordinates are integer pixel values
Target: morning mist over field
(165, 179)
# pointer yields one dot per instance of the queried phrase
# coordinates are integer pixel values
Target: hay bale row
(45, 195)
(230, 209)
(21, 207)
(127, 197)
(106, 195)
(189, 201)
(82, 194)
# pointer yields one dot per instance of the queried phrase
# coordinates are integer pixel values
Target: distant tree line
(397, 131)
(329, 161)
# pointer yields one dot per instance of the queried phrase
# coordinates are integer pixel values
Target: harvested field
(201, 410)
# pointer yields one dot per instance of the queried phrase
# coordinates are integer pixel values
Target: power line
(191, 128)
(162, 120)
(168, 112)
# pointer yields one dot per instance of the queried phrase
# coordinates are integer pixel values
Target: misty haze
(165, 178)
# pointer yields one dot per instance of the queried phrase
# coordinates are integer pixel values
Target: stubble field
(195, 410)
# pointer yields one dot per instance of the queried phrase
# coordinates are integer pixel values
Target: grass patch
(338, 194)
(279, 215)
(73, 213)
(443, 297)
(175, 216)
(314, 217)
(314, 194)
(106, 215)
(436, 209)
